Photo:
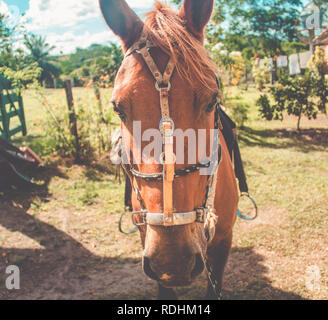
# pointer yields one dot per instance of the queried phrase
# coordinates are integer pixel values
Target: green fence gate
(11, 110)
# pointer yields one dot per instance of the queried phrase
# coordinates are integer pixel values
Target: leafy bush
(295, 95)
(23, 78)
(240, 114)
(94, 128)
(319, 67)
(265, 108)
(300, 95)
(97, 63)
(261, 75)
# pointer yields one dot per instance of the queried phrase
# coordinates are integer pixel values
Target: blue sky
(67, 24)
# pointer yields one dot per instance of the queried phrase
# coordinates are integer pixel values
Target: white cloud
(44, 14)
(68, 42)
(3, 7)
(139, 4)
(72, 20)
(11, 12)
(66, 13)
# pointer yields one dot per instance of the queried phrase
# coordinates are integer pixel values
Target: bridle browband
(168, 217)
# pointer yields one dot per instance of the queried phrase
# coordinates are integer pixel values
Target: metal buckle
(162, 159)
(166, 133)
(142, 44)
(143, 213)
(158, 88)
(201, 214)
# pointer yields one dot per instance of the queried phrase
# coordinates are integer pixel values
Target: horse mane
(168, 31)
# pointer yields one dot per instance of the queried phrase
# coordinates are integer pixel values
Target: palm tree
(39, 51)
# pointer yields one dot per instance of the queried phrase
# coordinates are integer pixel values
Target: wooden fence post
(72, 119)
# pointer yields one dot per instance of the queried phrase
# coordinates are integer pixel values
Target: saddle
(15, 164)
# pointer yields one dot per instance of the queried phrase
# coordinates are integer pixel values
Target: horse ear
(197, 14)
(122, 20)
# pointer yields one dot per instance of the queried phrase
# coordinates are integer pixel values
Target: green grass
(287, 176)
(37, 105)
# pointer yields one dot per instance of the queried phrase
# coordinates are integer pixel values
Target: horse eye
(210, 107)
(119, 112)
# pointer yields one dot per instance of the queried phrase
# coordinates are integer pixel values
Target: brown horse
(174, 253)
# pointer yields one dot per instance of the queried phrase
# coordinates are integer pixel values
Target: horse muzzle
(169, 275)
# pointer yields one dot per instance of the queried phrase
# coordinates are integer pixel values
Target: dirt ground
(60, 256)
(59, 263)
(65, 240)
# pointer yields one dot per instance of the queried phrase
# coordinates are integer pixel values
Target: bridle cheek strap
(166, 125)
(168, 158)
(168, 176)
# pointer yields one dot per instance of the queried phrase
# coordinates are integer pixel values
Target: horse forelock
(168, 31)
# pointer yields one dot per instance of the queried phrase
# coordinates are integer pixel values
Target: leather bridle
(168, 217)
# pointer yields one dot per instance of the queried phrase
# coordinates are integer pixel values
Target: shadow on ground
(246, 278)
(62, 268)
(306, 140)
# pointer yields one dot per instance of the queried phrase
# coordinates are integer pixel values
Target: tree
(83, 57)
(5, 34)
(294, 95)
(319, 67)
(13, 65)
(261, 74)
(25, 77)
(39, 52)
(260, 24)
(10, 57)
(93, 62)
(323, 5)
(116, 57)
(107, 65)
(263, 28)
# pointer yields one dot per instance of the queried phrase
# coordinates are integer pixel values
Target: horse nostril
(147, 269)
(199, 266)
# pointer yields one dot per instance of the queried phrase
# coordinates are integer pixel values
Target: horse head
(166, 67)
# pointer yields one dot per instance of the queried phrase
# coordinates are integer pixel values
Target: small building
(322, 40)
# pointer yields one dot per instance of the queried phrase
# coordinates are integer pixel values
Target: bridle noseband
(168, 217)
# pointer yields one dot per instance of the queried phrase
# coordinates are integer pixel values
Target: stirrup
(248, 218)
(134, 230)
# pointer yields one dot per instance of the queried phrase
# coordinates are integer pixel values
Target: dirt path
(67, 254)
(55, 265)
